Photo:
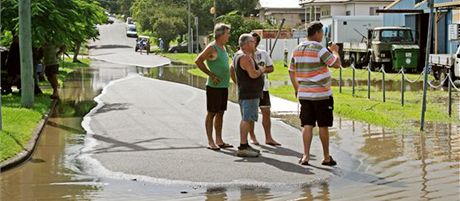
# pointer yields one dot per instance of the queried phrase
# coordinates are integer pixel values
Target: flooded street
(386, 164)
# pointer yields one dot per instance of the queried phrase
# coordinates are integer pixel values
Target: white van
(131, 31)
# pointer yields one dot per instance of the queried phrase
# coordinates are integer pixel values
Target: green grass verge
(19, 122)
(181, 57)
(374, 111)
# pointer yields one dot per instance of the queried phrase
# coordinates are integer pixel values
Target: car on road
(181, 48)
(131, 31)
(110, 20)
(142, 43)
(129, 21)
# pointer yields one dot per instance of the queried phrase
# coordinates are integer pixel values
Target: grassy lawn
(181, 57)
(374, 111)
(19, 122)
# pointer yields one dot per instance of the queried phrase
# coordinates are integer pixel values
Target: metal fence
(403, 80)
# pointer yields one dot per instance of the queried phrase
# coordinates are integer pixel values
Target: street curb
(29, 149)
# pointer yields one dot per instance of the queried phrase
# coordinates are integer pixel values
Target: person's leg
(252, 135)
(54, 84)
(244, 130)
(308, 122)
(209, 125)
(267, 124)
(324, 137)
(218, 121)
(307, 135)
(325, 120)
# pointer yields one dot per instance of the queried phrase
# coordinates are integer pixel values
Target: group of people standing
(310, 78)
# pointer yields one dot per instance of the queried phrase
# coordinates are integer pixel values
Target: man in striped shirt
(311, 80)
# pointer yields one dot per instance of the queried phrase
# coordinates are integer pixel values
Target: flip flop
(331, 162)
(273, 144)
(225, 145)
(303, 162)
(214, 148)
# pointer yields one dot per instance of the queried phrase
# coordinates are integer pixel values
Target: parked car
(110, 20)
(142, 43)
(182, 48)
(129, 21)
(131, 31)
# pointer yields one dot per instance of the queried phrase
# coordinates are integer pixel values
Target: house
(330, 8)
(416, 16)
(275, 10)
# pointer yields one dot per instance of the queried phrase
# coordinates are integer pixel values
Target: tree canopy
(167, 19)
(56, 21)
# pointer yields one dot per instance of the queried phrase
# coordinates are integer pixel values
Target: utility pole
(425, 78)
(25, 50)
(190, 40)
(197, 38)
(1, 125)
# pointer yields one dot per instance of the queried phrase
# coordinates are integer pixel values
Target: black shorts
(51, 70)
(216, 99)
(319, 111)
(265, 100)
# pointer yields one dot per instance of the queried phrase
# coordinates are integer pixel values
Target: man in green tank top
(217, 69)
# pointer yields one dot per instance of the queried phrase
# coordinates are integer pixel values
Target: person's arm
(331, 59)
(199, 61)
(268, 64)
(247, 64)
(233, 74)
(294, 82)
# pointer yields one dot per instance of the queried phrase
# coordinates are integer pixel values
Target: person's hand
(214, 78)
(262, 69)
(334, 47)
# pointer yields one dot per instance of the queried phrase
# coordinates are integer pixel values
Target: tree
(239, 25)
(166, 20)
(59, 22)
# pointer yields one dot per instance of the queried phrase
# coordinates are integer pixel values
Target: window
(302, 17)
(348, 13)
(373, 10)
(396, 36)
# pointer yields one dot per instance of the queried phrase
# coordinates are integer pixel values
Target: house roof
(289, 4)
(323, 2)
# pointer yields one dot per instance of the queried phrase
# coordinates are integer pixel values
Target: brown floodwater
(386, 164)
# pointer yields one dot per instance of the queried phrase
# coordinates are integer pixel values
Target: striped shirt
(309, 62)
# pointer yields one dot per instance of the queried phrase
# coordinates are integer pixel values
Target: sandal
(225, 145)
(214, 148)
(331, 162)
(303, 162)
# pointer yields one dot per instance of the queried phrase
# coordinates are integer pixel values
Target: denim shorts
(249, 109)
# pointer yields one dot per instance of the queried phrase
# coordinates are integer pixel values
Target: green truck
(392, 47)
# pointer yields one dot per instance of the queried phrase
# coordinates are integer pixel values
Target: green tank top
(220, 68)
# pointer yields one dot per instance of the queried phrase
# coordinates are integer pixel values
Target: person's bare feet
(255, 142)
